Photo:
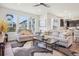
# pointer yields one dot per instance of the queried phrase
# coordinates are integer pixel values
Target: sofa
(64, 37)
(76, 35)
(24, 35)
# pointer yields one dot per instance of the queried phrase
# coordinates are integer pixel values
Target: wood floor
(75, 47)
(8, 50)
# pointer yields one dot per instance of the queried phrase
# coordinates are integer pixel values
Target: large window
(42, 25)
(32, 24)
(23, 22)
(11, 19)
(26, 22)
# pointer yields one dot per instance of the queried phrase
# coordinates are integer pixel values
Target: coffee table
(43, 43)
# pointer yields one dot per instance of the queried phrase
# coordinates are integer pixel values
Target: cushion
(28, 44)
(25, 32)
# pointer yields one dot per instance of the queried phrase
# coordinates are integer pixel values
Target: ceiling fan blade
(37, 5)
(45, 5)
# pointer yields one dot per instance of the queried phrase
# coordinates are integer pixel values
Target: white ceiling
(67, 10)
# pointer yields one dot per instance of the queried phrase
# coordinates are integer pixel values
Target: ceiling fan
(43, 4)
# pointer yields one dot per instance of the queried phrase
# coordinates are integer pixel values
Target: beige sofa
(24, 35)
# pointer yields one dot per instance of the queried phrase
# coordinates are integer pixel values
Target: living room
(39, 29)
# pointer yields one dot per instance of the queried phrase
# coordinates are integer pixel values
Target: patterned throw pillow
(28, 44)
